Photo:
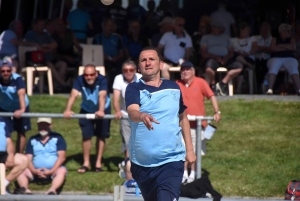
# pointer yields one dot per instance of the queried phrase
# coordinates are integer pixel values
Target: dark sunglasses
(128, 70)
(5, 71)
(89, 75)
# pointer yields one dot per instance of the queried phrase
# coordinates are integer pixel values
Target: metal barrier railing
(198, 119)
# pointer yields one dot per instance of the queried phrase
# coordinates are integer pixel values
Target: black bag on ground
(199, 188)
(292, 191)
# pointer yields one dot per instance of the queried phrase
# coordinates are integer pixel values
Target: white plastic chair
(92, 54)
(30, 69)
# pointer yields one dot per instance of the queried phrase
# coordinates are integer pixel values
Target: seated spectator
(134, 42)
(10, 39)
(166, 25)
(244, 52)
(47, 153)
(50, 27)
(66, 43)
(216, 51)
(282, 56)
(151, 21)
(17, 163)
(174, 46)
(79, 21)
(39, 37)
(113, 50)
(262, 47)
(204, 28)
(96, 100)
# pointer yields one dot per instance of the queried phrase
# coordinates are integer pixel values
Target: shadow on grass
(109, 164)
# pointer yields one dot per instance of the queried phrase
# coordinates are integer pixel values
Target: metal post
(50, 9)
(18, 9)
(35, 8)
(61, 9)
(198, 148)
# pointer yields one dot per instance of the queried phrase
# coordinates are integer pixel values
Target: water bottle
(137, 190)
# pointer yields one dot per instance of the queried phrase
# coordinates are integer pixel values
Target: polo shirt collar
(183, 34)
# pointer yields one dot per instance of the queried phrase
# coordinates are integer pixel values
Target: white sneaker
(122, 174)
(190, 180)
(184, 179)
(269, 92)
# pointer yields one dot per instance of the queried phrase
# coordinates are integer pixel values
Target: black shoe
(214, 89)
(222, 88)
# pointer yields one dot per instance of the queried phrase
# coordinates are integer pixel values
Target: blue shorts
(160, 183)
(20, 125)
(95, 127)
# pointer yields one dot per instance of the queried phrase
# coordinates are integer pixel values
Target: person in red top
(194, 91)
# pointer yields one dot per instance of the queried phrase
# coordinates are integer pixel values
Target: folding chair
(2, 179)
(30, 69)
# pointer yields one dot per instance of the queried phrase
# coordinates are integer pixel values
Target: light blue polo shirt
(151, 148)
(3, 134)
(90, 94)
(45, 155)
(9, 99)
(78, 20)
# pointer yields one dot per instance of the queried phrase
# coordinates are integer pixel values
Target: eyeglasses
(89, 75)
(5, 71)
(131, 70)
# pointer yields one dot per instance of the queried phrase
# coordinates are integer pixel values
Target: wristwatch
(219, 112)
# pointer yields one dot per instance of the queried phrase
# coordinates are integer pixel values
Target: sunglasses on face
(89, 75)
(5, 71)
(128, 70)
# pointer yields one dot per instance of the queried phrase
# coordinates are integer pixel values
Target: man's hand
(99, 113)
(68, 114)
(18, 113)
(224, 61)
(190, 156)
(147, 119)
(47, 172)
(10, 161)
(39, 172)
(217, 117)
(118, 115)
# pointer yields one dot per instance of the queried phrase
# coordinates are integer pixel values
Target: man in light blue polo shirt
(95, 100)
(158, 122)
(47, 153)
(13, 98)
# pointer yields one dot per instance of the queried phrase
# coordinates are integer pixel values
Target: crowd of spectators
(219, 41)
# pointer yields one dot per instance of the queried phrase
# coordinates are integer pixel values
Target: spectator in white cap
(47, 153)
(282, 56)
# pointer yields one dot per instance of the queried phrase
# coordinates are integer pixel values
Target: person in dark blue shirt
(46, 152)
(13, 98)
(95, 100)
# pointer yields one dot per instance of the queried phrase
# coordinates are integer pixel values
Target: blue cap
(187, 64)
(4, 62)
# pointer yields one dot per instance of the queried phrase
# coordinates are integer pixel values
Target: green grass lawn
(255, 151)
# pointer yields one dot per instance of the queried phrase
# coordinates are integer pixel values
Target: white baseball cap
(43, 119)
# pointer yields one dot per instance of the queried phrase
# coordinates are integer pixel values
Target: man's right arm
(116, 103)
(68, 111)
(10, 153)
(31, 166)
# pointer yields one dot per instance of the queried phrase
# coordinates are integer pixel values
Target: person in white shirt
(262, 46)
(129, 74)
(244, 51)
(226, 18)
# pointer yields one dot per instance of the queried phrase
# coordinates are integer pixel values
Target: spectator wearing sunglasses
(129, 75)
(95, 100)
(13, 98)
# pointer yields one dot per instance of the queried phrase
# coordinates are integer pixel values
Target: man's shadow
(109, 164)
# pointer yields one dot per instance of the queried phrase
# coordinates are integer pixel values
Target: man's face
(187, 73)
(6, 72)
(179, 25)
(129, 72)
(44, 126)
(109, 27)
(149, 63)
(134, 28)
(90, 75)
(264, 31)
(39, 26)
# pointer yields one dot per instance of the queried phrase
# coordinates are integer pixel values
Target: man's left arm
(21, 96)
(59, 162)
(102, 100)
(186, 133)
(214, 103)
